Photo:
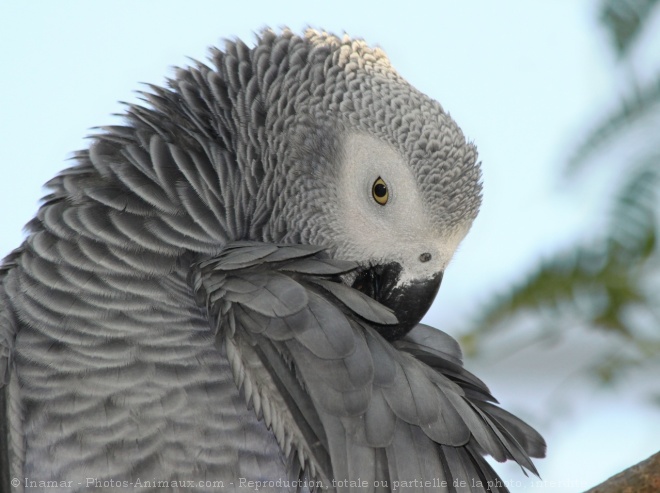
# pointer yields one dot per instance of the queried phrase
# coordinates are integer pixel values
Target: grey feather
(376, 396)
(431, 341)
(179, 308)
(524, 434)
(361, 304)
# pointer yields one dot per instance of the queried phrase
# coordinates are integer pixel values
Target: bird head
(399, 234)
(379, 173)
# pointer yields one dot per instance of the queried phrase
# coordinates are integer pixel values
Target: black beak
(409, 303)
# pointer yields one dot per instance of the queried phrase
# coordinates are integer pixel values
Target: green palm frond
(610, 283)
(632, 109)
(595, 284)
(610, 368)
(583, 285)
(625, 19)
(635, 214)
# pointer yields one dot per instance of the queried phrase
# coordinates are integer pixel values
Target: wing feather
(357, 407)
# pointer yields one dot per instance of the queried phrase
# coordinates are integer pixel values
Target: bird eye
(380, 192)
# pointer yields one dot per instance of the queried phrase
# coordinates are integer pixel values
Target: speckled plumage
(114, 368)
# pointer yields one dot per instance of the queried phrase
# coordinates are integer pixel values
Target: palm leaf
(589, 286)
(630, 111)
(625, 19)
(635, 213)
(606, 284)
(594, 284)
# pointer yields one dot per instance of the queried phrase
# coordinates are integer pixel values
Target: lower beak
(409, 301)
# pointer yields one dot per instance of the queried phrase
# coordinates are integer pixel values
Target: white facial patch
(399, 231)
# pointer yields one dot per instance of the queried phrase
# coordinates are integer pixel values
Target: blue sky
(523, 79)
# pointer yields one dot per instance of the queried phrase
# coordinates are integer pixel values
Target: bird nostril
(425, 257)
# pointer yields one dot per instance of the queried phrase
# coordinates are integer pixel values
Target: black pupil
(380, 190)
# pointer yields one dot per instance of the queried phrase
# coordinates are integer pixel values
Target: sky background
(523, 80)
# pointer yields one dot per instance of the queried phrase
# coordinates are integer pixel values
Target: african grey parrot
(224, 292)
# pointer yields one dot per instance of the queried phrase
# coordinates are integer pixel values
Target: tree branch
(640, 478)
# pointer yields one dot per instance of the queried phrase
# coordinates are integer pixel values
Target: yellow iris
(380, 192)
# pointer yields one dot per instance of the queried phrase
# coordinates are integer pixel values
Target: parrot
(224, 291)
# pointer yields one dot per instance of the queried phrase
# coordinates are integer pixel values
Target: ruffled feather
(405, 411)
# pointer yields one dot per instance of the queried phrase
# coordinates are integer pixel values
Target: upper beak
(409, 301)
